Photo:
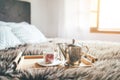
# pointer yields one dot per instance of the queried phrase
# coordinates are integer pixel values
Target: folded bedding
(106, 68)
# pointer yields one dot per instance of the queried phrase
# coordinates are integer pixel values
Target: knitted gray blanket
(106, 68)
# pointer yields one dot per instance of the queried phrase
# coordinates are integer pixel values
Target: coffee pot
(72, 53)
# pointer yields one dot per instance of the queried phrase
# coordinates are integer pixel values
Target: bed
(13, 39)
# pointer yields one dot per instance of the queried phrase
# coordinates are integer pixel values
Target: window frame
(95, 29)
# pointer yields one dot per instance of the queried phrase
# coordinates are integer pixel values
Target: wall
(39, 15)
(45, 15)
(55, 18)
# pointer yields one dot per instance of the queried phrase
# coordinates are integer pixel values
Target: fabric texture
(29, 34)
(19, 33)
(7, 38)
(12, 24)
(106, 68)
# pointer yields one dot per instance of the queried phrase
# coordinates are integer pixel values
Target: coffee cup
(49, 57)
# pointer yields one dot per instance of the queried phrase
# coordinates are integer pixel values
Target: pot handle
(84, 46)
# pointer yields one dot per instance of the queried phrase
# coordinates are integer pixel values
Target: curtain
(75, 19)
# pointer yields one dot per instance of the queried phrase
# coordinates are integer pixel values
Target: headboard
(14, 11)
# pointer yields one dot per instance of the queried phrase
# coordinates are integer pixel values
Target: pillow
(13, 24)
(29, 34)
(7, 38)
(2, 23)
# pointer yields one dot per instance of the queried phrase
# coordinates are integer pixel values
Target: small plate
(42, 63)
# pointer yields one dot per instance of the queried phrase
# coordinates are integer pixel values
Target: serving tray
(29, 62)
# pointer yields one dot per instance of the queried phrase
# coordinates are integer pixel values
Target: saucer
(56, 62)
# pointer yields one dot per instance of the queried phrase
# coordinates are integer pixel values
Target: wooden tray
(32, 62)
(29, 62)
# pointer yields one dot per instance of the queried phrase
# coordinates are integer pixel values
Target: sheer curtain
(75, 19)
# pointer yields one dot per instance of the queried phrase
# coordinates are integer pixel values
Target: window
(105, 16)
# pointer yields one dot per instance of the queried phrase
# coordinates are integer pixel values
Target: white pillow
(7, 38)
(13, 24)
(2, 23)
(29, 34)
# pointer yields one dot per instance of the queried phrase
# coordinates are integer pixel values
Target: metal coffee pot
(72, 53)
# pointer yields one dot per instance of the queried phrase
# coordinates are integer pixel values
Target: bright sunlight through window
(105, 15)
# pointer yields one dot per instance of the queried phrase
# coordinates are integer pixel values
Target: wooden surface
(27, 62)
(33, 57)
